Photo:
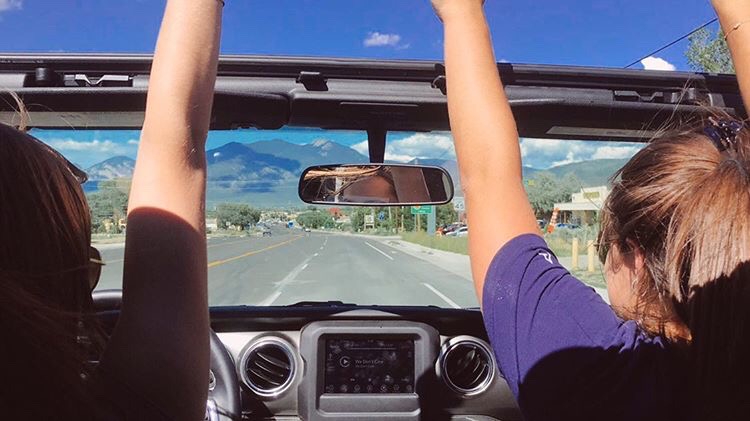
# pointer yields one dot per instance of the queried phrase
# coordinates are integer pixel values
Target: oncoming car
(364, 313)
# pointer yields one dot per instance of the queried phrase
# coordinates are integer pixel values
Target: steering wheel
(223, 388)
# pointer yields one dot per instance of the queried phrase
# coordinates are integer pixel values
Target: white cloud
(656, 63)
(376, 39)
(95, 146)
(361, 147)
(615, 152)
(545, 153)
(10, 5)
(570, 158)
(419, 145)
(90, 152)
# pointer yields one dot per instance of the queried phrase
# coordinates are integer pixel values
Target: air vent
(466, 365)
(268, 367)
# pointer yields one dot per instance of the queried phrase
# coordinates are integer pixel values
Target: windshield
(266, 247)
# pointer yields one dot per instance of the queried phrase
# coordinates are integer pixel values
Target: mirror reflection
(376, 185)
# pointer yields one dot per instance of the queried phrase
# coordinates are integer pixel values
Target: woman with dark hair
(156, 363)
(675, 240)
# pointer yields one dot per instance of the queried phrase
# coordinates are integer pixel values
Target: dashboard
(362, 364)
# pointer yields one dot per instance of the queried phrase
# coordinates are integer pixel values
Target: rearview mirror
(375, 185)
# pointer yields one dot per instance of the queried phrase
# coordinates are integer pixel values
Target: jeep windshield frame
(560, 102)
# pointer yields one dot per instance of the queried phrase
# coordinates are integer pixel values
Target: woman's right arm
(485, 135)
(732, 13)
(160, 347)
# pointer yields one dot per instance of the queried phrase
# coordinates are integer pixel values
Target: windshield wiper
(322, 304)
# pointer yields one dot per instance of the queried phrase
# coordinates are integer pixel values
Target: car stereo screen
(369, 365)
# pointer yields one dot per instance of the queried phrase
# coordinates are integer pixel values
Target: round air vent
(268, 367)
(466, 365)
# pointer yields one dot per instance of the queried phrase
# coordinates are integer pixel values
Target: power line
(672, 43)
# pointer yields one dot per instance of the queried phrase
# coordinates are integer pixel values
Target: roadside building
(584, 206)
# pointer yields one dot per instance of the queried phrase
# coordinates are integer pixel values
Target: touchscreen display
(369, 365)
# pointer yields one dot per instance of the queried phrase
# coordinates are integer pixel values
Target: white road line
(379, 251)
(271, 298)
(441, 295)
(321, 248)
(287, 279)
(315, 255)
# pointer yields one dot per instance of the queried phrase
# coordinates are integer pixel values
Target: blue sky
(601, 32)
(608, 33)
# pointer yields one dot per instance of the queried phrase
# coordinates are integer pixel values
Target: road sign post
(369, 221)
(421, 210)
(431, 221)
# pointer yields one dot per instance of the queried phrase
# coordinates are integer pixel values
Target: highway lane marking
(251, 253)
(441, 295)
(287, 279)
(207, 247)
(271, 298)
(379, 251)
(315, 255)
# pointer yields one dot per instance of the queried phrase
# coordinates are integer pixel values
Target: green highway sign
(421, 210)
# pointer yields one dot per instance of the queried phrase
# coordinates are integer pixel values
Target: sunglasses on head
(95, 267)
(602, 248)
(95, 258)
(78, 173)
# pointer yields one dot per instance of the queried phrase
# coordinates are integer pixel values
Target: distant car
(452, 228)
(267, 232)
(567, 226)
(542, 223)
(461, 232)
(307, 229)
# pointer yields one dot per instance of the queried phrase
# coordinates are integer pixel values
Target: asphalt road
(292, 266)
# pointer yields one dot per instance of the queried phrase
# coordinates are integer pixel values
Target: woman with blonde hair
(675, 342)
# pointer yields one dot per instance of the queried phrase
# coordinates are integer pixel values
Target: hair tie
(723, 133)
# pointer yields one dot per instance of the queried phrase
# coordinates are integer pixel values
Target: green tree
(316, 219)
(446, 215)
(708, 52)
(236, 214)
(109, 202)
(544, 190)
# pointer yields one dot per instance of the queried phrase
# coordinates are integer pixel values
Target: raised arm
(160, 347)
(735, 21)
(485, 134)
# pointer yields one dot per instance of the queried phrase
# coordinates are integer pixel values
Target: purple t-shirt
(564, 352)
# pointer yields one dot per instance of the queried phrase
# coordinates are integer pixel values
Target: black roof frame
(563, 102)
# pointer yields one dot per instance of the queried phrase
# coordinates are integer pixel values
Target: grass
(561, 240)
(227, 233)
(107, 238)
(595, 279)
(453, 244)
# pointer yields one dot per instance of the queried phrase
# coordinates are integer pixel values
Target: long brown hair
(45, 297)
(686, 205)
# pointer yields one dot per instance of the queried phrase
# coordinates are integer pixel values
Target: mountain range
(266, 173)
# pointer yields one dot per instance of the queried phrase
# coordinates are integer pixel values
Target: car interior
(313, 359)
